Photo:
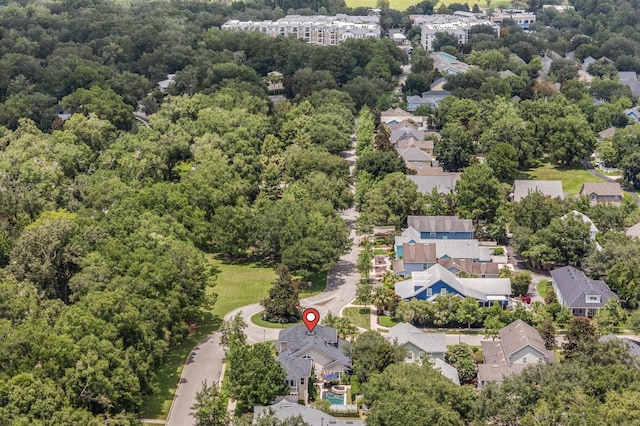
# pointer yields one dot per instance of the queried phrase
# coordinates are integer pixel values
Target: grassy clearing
(358, 317)
(543, 287)
(239, 284)
(572, 179)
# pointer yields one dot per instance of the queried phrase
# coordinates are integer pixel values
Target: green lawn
(542, 288)
(237, 284)
(387, 321)
(357, 316)
(572, 179)
(240, 284)
(404, 4)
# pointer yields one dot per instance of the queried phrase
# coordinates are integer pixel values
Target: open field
(404, 4)
(572, 179)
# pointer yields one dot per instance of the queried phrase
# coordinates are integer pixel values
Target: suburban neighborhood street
(206, 360)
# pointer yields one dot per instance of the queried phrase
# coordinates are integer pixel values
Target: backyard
(572, 179)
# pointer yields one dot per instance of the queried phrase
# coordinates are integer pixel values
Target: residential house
(311, 416)
(421, 256)
(437, 280)
(421, 346)
(448, 64)
(633, 113)
(163, 85)
(418, 344)
(424, 145)
(298, 379)
(633, 346)
(630, 79)
(445, 248)
(438, 84)
(398, 115)
(62, 113)
(416, 159)
(546, 63)
(518, 345)
(442, 227)
(602, 192)
(507, 73)
(323, 347)
(582, 295)
(593, 229)
(607, 133)
(551, 188)
(445, 183)
(431, 98)
(634, 231)
(471, 266)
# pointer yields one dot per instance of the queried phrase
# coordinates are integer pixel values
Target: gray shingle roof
(574, 286)
(325, 340)
(295, 367)
(601, 188)
(634, 231)
(518, 335)
(440, 224)
(285, 409)
(447, 370)
(522, 188)
(444, 184)
(414, 155)
(428, 342)
(632, 345)
(497, 372)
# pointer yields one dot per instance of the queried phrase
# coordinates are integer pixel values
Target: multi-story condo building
(322, 30)
(456, 25)
(522, 18)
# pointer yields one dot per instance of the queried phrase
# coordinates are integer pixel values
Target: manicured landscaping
(357, 316)
(386, 321)
(257, 320)
(572, 179)
(542, 288)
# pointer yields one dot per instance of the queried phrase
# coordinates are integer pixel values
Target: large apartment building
(322, 30)
(457, 25)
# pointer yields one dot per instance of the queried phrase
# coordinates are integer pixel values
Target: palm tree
(382, 298)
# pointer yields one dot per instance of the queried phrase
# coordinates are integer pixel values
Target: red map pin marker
(310, 316)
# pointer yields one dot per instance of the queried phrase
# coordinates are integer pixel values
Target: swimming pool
(333, 398)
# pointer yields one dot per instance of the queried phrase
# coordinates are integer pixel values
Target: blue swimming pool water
(333, 398)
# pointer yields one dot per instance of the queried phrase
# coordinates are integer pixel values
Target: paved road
(205, 361)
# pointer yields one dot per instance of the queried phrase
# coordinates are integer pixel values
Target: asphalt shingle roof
(285, 409)
(574, 287)
(325, 340)
(440, 224)
(522, 188)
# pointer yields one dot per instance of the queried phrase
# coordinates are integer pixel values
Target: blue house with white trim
(442, 227)
(437, 280)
